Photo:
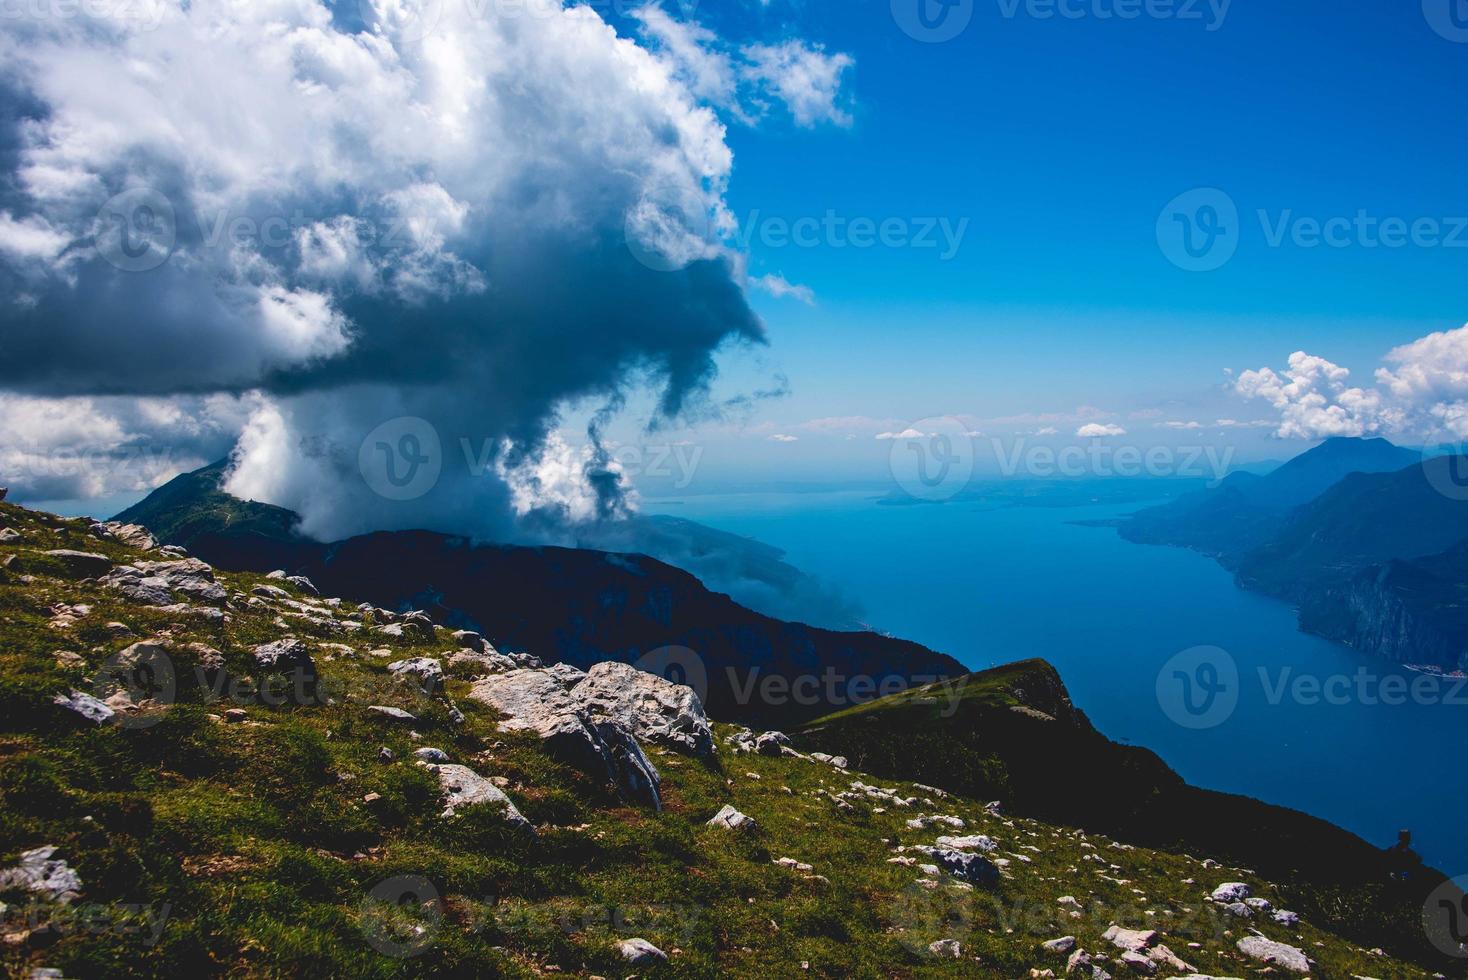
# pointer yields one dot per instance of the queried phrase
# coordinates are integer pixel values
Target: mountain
(1012, 734)
(579, 606)
(212, 773)
(1244, 510)
(1365, 539)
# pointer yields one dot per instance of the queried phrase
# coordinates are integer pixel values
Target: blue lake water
(990, 586)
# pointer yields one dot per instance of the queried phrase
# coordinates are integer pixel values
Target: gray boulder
(652, 708)
(537, 701)
(155, 583)
(9, 535)
(972, 868)
(771, 743)
(37, 872)
(426, 672)
(86, 706)
(729, 818)
(946, 948)
(132, 535)
(640, 952)
(1231, 891)
(81, 564)
(391, 713)
(463, 787)
(285, 656)
(1274, 954)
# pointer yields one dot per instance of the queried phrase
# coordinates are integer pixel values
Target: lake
(993, 585)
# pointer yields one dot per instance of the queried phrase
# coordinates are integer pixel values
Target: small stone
(235, 715)
(427, 754)
(395, 714)
(386, 754)
(640, 952)
(950, 948)
(1062, 945)
(729, 818)
(1231, 891)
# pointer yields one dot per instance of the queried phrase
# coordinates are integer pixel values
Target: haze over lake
(990, 585)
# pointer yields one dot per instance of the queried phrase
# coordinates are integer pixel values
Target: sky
(697, 245)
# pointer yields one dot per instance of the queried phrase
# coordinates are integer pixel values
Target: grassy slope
(257, 837)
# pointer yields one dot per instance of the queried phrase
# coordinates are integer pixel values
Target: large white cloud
(1421, 393)
(474, 218)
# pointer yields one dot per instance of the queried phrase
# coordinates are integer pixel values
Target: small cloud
(1049, 430)
(779, 437)
(974, 434)
(1096, 430)
(780, 288)
(904, 434)
(1180, 425)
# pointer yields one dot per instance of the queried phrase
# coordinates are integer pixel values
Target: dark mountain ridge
(575, 605)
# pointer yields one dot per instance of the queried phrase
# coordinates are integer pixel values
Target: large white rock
(537, 701)
(155, 583)
(426, 671)
(463, 787)
(1230, 892)
(1275, 954)
(652, 708)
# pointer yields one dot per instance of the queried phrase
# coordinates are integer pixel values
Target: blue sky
(1059, 141)
(1227, 224)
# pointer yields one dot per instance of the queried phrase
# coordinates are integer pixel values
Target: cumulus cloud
(904, 434)
(84, 447)
(1421, 391)
(360, 219)
(1097, 430)
(781, 437)
(747, 80)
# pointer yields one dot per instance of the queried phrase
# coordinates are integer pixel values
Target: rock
(741, 742)
(924, 822)
(839, 761)
(270, 592)
(386, 754)
(427, 754)
(391, 713)
(303, 583)
(1239, 910)
(729, 818)
(425, 671)
(1230, 891)
(132, 535)
(972, 868)
(3, 492)
(949, 948)
(279, 575)
(174, 551)
(9, 535)
(1138, 963)
(640, 952)
(1062, 945)
(235, 715)
(1275, 954)
(651, 708)
(1130, 939)
(1259, 904)
(483, 663)
(536, 701)
(154, 583)
(287, 656)
(463, 787)
(1285, 918)
(469, 638)
(39, 873)
(977, 842)
(771, 743)
(81, 564)
(85, 705)
(568, 676)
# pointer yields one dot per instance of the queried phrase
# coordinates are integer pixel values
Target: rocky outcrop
(80, 564)
(162, 583)
(654, 709)
(537, 701)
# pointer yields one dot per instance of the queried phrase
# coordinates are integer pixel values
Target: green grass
(255, 848)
